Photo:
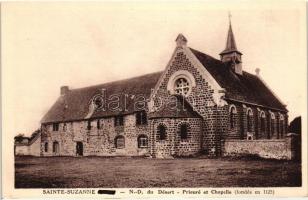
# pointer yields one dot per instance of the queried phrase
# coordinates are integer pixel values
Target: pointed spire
(231, 55)
(230, 45)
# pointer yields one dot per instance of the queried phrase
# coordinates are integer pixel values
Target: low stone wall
(32, 149)
(22, 150)
(277, 149)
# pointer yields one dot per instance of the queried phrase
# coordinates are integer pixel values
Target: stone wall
(98, 142)
(278, 148)
(173, 145)
(21, 150)
(34, 148)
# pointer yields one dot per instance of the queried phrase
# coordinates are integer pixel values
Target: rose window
(182, 86)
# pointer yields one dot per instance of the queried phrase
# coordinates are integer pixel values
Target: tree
(19, 137)
(296, 125)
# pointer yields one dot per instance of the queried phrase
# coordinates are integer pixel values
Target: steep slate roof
(246, 87)
(179, 109)
(75, 104)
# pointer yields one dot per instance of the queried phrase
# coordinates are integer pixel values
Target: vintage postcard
(149, 99)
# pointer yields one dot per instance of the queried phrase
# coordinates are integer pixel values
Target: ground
(83, 172)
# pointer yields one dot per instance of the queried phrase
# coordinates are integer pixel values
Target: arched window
(119, 142)
(46, 147)
(249, 120)
(142, 141)
(232, 112)
(161, 132)
(273, 118)
(184, 131)
(281, 125)
(263, 121)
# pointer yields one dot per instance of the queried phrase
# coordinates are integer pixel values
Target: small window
(141, 118)
(161, 130)
(118, 120)
(64, 127)
(98, 125)
(142, 141)
(184, 131)
(89, 125)
(55, 126)
(119, 142)
(46, 147)
(232, 117)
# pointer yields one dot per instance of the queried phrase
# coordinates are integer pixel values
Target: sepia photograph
(154, 95)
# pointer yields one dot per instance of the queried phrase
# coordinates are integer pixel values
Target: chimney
(181, 40)
(257, 71)
(64, 90)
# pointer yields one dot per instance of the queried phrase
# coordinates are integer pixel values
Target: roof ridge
(34, 139)
(112, 82)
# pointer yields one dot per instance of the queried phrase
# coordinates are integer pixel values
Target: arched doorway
(55, 148)
(79, 149)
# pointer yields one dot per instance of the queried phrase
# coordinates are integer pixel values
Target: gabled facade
(197, 105)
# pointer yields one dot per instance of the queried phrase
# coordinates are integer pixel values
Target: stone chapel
(196, 105)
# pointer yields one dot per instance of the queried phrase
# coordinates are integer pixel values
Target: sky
(48, 45)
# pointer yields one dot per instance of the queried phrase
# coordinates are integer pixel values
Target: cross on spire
(229, 15)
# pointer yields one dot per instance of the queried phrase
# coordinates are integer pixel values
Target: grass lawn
(83, 172)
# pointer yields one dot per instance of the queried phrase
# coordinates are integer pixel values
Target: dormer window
(98, 101)
(141, 118)
(118, 120)
(55, 126)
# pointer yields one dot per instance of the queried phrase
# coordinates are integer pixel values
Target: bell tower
(231, 55)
